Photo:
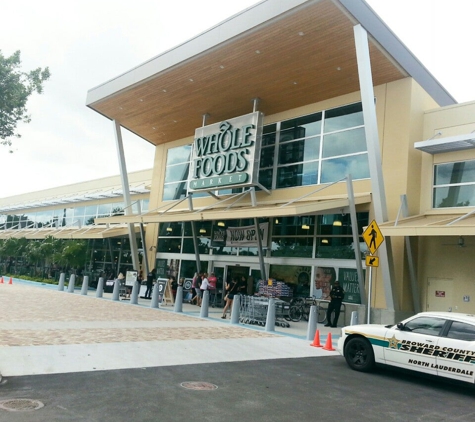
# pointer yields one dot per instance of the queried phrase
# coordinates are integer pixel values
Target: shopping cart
(253, 311)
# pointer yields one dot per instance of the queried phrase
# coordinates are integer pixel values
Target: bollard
(154, 302)
(312, 323)
(62, 276)
(72, 280)
(100, 287)
(235, 310)
(116, 291)
(134, 296)
(270, 320)
(204, 304)
(85, 285)
(179, 299)
(354, 318)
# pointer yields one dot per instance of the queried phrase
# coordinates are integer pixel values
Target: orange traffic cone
(11, 281)
(328, 344)
(316, 340)
(1, 280)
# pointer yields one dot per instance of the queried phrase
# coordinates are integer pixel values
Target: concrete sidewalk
(44, 331)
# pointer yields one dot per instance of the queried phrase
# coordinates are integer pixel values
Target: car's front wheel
(359, 354)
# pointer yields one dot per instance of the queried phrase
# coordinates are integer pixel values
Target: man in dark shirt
(150, 279)
(336, 297)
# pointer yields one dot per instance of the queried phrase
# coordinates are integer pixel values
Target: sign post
(373, 239)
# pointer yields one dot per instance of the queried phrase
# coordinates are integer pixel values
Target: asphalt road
(299, 389)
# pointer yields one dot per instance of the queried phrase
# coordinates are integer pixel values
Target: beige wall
(440, 256)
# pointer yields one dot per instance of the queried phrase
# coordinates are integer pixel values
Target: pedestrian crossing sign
(373, 237)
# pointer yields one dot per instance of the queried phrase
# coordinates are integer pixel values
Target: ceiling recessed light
(191, 80)
(141, 100)
(295, 83)
(174, 121)
(301, 34)
(222, 67)
(164, 90)
(338, 68)
(154, 128)
(120, 108)
(258, 52)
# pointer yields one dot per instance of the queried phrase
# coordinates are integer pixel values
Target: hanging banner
(238, 236)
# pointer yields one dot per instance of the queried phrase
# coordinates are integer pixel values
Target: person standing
(151, 278)
(336, 297)
(196, 288)
(204, 286)
(231, 290)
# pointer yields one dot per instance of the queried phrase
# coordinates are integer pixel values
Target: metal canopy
(320, 205)
(447, 144)
(431, 224)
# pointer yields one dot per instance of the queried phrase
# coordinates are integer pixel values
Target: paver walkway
(47, 331)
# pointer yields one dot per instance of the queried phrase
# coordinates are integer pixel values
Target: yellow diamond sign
(373, 237)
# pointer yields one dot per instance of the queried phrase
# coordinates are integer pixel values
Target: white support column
(125, 189)
(374, 158)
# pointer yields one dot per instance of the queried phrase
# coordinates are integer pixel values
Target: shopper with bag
(231, 290)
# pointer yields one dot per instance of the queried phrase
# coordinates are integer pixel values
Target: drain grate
(197, 385)
(20, 405)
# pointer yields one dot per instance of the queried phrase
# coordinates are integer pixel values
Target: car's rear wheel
(359, 354)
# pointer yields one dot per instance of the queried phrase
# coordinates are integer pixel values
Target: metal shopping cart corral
(253, 311)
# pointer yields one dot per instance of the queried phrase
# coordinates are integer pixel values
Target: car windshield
(424, 325)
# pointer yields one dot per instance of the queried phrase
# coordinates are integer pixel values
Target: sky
(86, 43)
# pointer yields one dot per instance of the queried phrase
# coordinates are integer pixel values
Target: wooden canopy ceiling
(304, 56)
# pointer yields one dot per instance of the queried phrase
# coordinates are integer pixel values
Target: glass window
(269, 135)
(450, 173)
(265, 178)
(174, 191)
(301, 127)
(297, 175)
(337, 168)
(343, 117)
(303, 150)
(425, 325)
(461, 331)
(454, 184)
(267, 157)
(346, 142)
(169, 245)
(178, 155)
(292, 247)
(177, 172)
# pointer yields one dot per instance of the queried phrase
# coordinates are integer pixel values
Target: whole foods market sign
(226, 154)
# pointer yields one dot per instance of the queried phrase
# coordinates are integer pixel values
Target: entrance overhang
(432, 224)
(87, 232)
(321, 205)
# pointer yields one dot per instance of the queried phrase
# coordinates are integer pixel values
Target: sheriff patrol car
(437, 343)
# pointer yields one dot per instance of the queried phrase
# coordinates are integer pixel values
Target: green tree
(16, 87)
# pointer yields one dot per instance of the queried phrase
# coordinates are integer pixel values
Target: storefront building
(303, 121)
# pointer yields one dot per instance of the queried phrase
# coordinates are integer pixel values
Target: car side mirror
(400, 326)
